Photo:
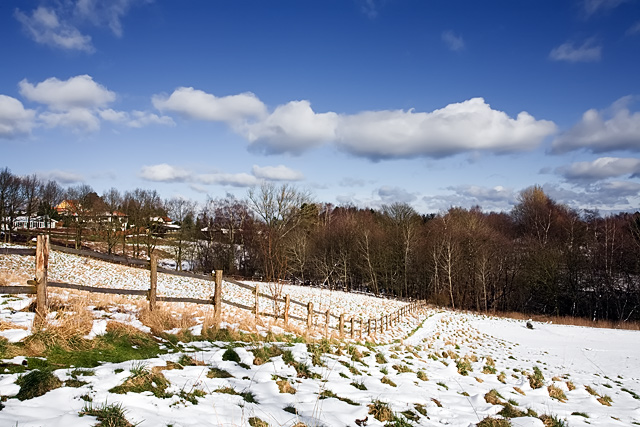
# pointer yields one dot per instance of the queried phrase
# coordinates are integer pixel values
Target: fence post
(217, 299)
(153, 262)
(369, 327)
(287, 302)
(381, 324)
(326, 323)
(360, 330)
(341, 325)
(42, 267)
(256, 309)
(352, 330)
(309, 315)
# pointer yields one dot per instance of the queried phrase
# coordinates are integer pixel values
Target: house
(35, 222)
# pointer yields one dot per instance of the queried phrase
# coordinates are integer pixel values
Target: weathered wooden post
(360, 330)
(309, 315)
(42, 267)
(326, 323)
(381, 324)
(341, 325)
(369, 327)
(256, 309)
(287, 303)
(217, 300)
(153, 262)
(352, 330)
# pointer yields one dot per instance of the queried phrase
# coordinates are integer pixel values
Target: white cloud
(614, 129)
(602, 168)
(109, 13)
(589, 51)
(111, 115)
(452, 41)
(467, 126)
(144, 118)
(165, 173)
(45, 27)
(277, 173)
(233, 180)
(77, 119)
(196, 104)
(389, 195)
(63, 177)
(14, 118)
(293, 128)
(76, 92)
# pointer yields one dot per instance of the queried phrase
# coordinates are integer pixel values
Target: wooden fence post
(352, 330)
(326, 323)
(360, 330)
(153, 262)
(369, 327)
(217, 300)
(287, 303)
(309, 315)
(42, 267)
(341, 325)
(256, 309)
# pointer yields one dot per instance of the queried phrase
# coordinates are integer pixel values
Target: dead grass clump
(381, 411)
(605, 400)
(556, 393)
(519, 390)
(161, 319)
(493, 397)
(285, 386)
(570, 386)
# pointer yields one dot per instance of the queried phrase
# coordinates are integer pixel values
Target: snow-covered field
(444, 368)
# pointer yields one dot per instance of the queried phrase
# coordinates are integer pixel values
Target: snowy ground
(421, 377)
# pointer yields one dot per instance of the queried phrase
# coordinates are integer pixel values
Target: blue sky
(365, 102)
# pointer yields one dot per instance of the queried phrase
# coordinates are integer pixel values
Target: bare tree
(181, 211)
(110, 224)
(279, 209)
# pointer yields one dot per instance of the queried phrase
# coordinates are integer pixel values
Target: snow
(573, 359)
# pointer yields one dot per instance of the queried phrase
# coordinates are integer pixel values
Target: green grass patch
(36, 383)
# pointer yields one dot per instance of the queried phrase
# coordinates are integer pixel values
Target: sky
(361, 102)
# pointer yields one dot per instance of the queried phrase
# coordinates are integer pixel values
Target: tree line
(541, 257)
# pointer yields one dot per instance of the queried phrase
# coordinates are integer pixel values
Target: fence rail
(341, 323)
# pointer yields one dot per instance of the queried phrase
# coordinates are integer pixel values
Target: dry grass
(4, 325)
(556, 393)
(161, 319)
(285, 386)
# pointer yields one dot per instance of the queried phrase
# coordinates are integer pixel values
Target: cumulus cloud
(277, 173)
(292, 128)
(136, 119)
(15, 120)
(230, 179)
(452, 41)
(466, 126)
(165, 173)
(616, 128)
(77, 119)
(76, 92)
(589, 51)
(44, 27)
(196, 104)
(600, 169)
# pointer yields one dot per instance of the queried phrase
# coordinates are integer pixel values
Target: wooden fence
(345, 325)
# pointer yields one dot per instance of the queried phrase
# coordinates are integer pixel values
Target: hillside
(437, 368)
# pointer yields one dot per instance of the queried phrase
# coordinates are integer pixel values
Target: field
(111, 362)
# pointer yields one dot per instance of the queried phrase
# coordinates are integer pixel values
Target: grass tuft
(36, 383)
